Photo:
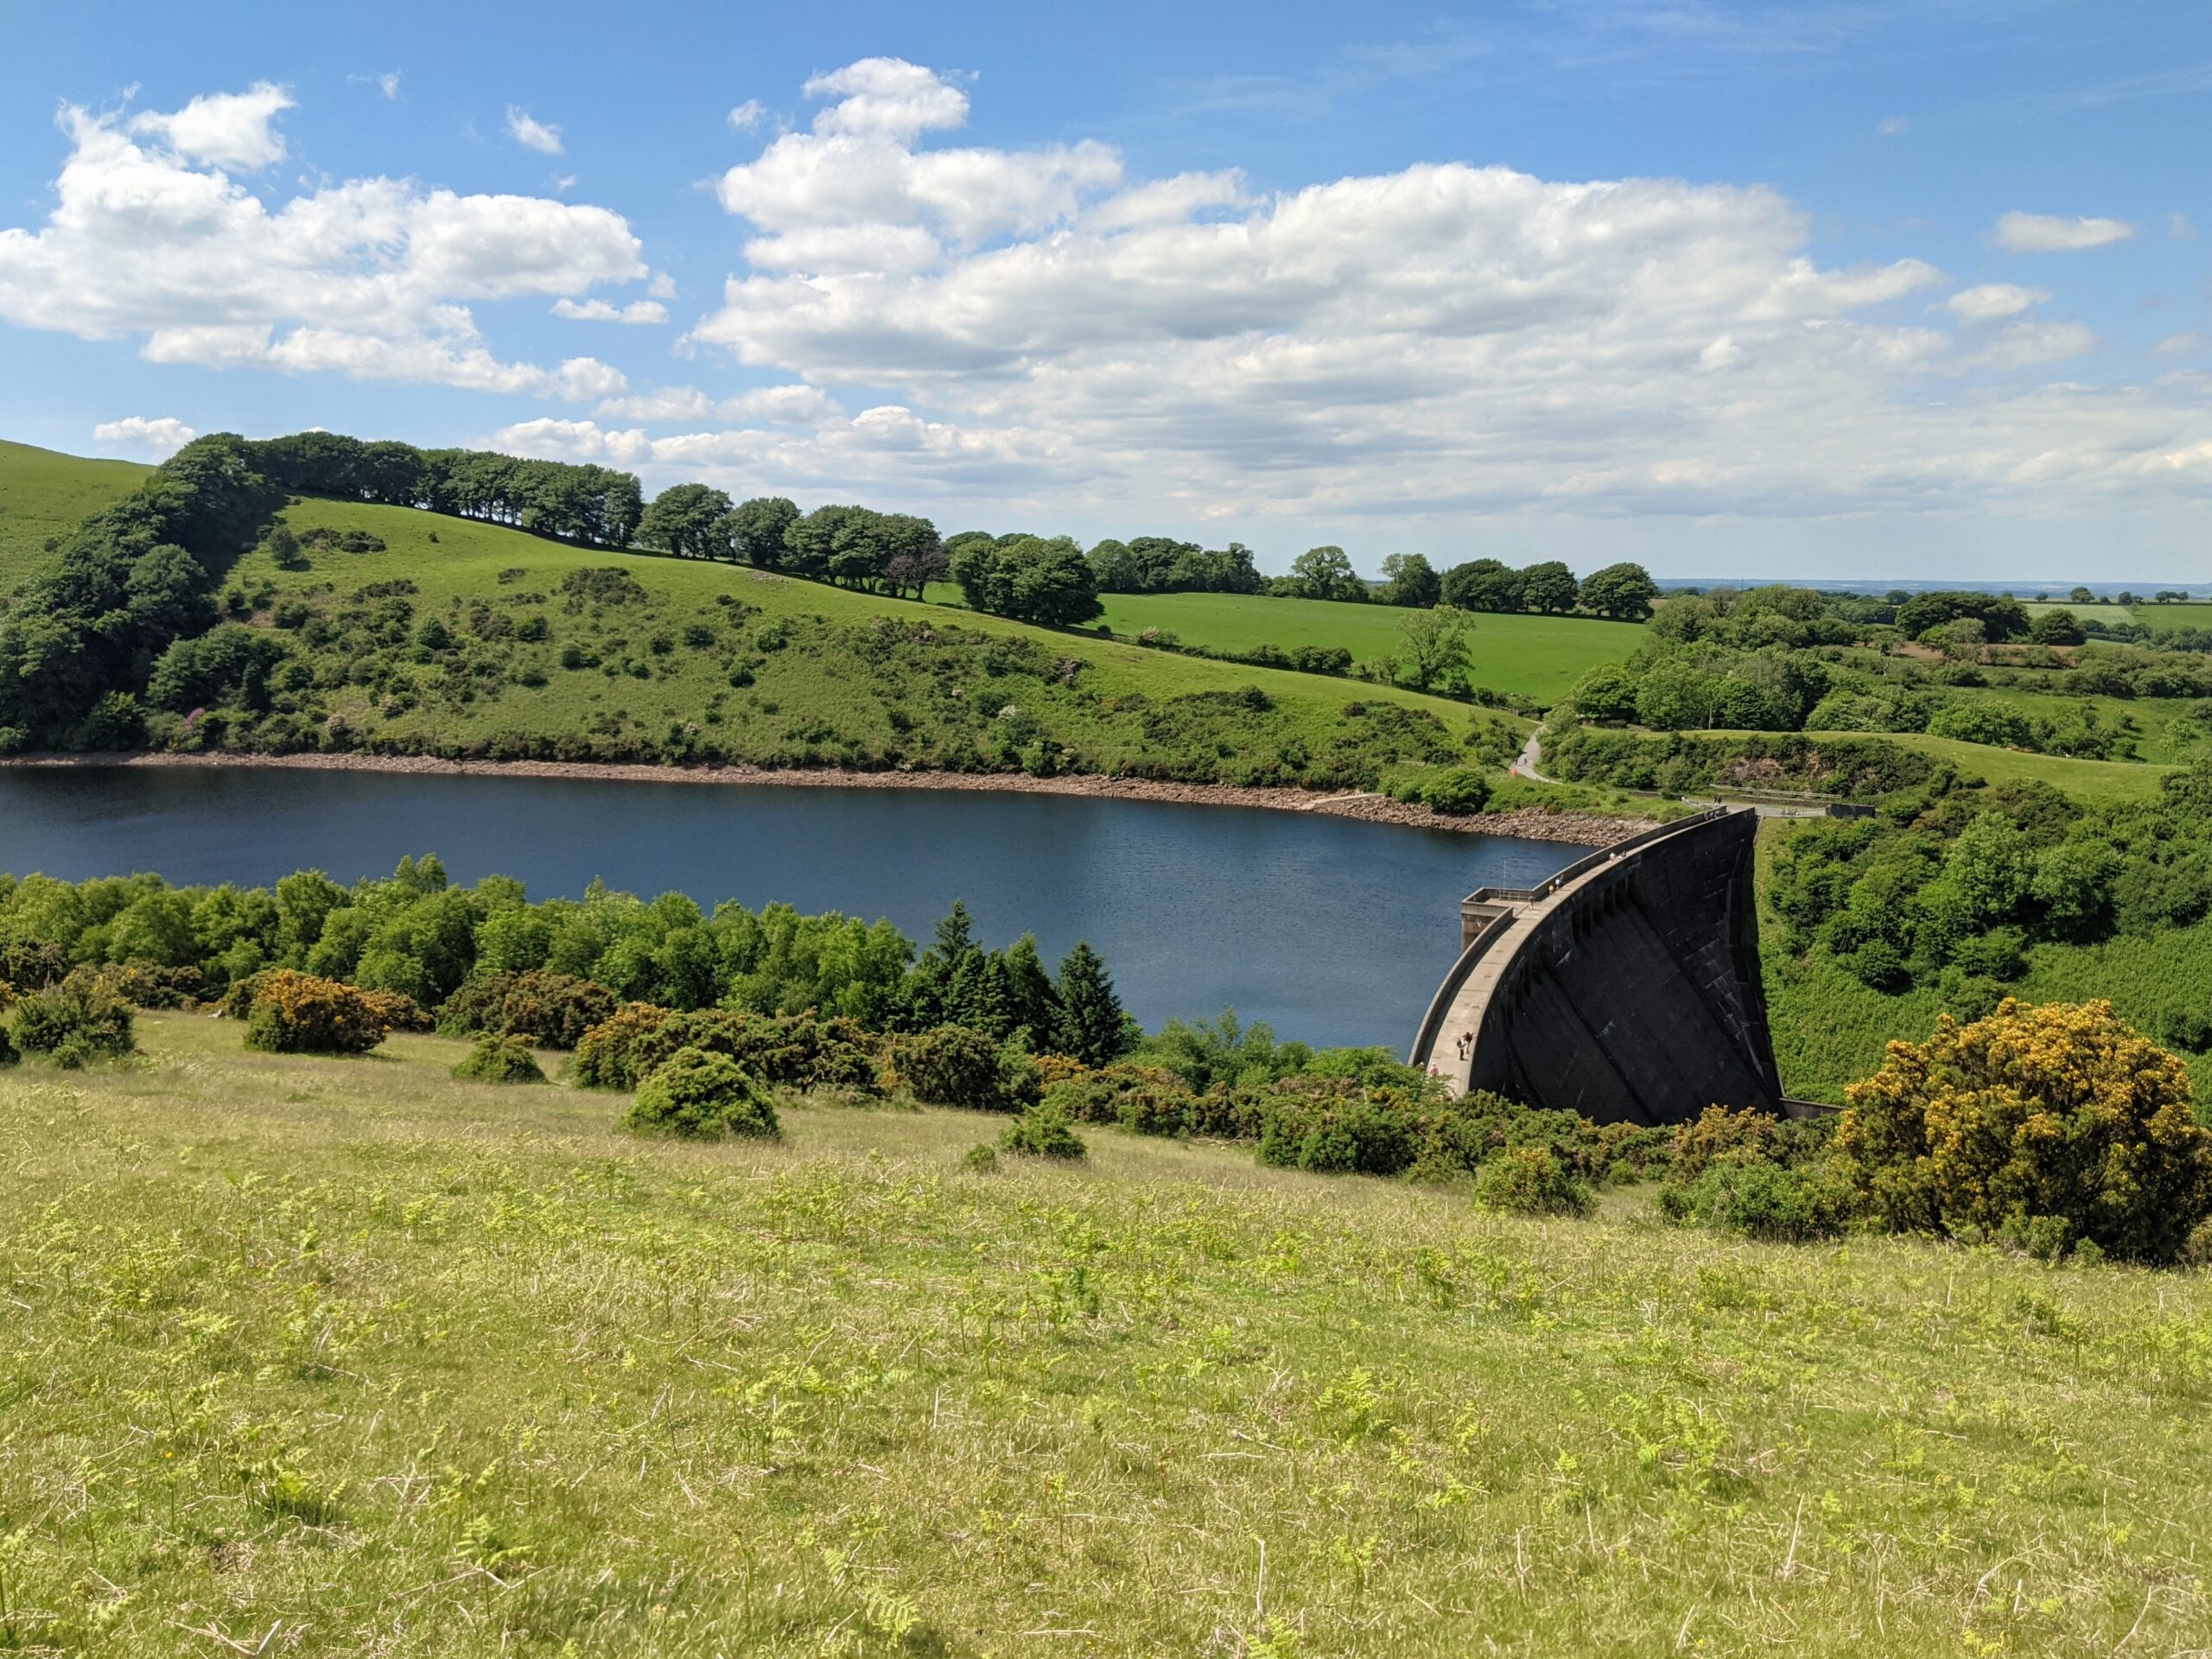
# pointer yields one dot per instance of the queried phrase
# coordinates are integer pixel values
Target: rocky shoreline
(1528, 824)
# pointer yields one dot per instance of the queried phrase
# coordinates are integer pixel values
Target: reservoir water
(1330, 930)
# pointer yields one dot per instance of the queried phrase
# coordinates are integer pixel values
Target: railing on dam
(1486, 917)
(1583, 866)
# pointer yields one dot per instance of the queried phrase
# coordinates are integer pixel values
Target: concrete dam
(1625, 988)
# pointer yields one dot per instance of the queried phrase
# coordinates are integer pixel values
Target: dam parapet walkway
(1625, 988)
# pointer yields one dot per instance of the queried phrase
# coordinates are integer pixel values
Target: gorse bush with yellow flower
(2057, 1125)
(299, 1014)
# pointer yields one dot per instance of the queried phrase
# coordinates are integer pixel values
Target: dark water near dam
(1330, 930)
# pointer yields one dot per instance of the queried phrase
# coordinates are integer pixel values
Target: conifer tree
(1093, 1026)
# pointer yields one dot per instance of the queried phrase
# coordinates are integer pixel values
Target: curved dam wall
(1629, 992)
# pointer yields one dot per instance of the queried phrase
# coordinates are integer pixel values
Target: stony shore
(1581, 829)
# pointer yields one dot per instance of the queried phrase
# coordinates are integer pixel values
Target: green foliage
(1089, 1023)
(1753, 1198)
(1323, 573)
(1458, 792)
(499, 1059)
(608, 1058)
(79, 1019)
(1159, 564)
(1722, 1133)
(548, 1009)
(1531, 1182)
(1622, 591)
(1029, 578)
(1043, 1131)
(1338, 1134)
(954, 1065)
(698, 1096)
(1411, 580)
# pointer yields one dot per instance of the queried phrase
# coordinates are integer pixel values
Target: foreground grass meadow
(315, 1356)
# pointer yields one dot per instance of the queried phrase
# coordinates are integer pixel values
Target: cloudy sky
(1866, 290)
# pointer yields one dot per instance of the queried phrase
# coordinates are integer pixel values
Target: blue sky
(1915, 290)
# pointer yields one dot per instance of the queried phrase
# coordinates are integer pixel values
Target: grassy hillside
(44, 494)
(327, 1357)
(1830, 1029)
(718, 660)
(1536, 657)
(2088, 780)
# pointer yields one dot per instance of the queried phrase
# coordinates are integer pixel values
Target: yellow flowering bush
(2033, 1117)
(300, 1013)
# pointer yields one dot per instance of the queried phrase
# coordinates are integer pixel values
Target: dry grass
(313, 1357)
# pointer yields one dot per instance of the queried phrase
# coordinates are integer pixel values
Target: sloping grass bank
(322, 1356)
(533, 656)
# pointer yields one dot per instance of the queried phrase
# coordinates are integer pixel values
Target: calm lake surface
(1330, 930)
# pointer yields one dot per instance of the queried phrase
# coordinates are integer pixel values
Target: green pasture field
(2187, 614)
(340, 1357)
(2162, 618)
(2099, 613)
(2163, 732)
(45, 494)
(2090, 780)
(811, 702)
(1534, 657)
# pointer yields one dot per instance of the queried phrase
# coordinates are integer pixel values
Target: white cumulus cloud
(1987, 302)
(1444, 339)
(2051, 233)
(531, 133)
(230, 130)
(370, 278)
(156, 438)
(637, 311)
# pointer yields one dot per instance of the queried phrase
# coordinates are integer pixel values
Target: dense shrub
(1460, 1134)
(238, 995)
(552, 1010)
(300, 1013)
(9, 1055)
(1332, 1132)
(2060, 1111)
(605, 1058)
(82, 1019)
(1458, 792)
(781, 1050)
(1717, 1133)
(1043, 1131)
(33, 964)
(396, 1011)
(1743, 1193)
(701, 1096)
(1531, 1182)
(152, 985)
(953, 1066)
(499, 1059)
